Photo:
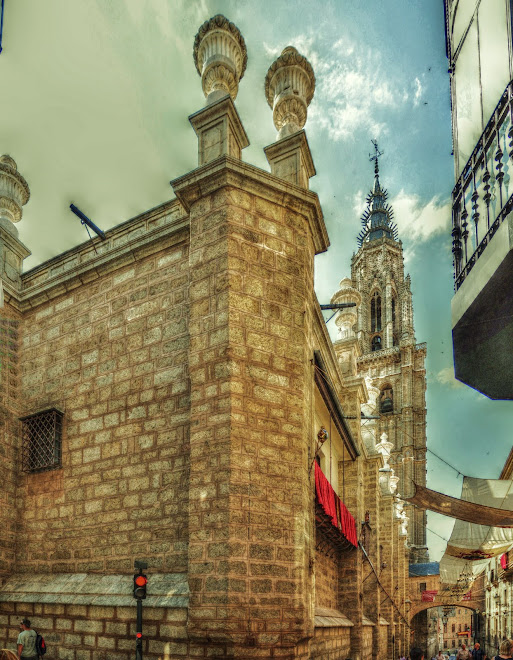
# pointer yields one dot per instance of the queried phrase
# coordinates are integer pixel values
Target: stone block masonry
(251, 260)
(112, 355)
(9, 406)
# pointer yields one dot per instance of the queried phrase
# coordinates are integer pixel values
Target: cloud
(420, 221)
(418, 92)
(446, 377)
(271, 51)
(358, 202)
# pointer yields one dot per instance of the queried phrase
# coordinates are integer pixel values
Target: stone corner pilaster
(291, 159)
(219, 130)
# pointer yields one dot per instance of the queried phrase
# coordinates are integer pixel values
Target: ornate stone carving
(369, 409)
(289, 89)
(384, 447)
(346, 318)
(14, 190)
(220, 57)
(393, 482)
(384, 480)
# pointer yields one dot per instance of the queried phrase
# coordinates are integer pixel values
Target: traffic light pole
(138, 639)
(140, 582)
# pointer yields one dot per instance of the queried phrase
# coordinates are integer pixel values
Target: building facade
(479, 49)
(496, 620)
(170, 395)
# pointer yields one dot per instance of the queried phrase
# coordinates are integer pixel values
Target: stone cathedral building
(391, 361)
(170, 394)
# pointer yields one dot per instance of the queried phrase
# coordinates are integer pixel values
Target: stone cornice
(228, 171)
(376, 244)
(14, 244)
(128, 242)
(392, 354)
(387, 354)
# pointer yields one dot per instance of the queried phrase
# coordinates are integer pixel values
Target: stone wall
(80, 632)
(331, 644)
(251, 264)
(111, 354)
(368, 649)
(326, 578)
(10, 409)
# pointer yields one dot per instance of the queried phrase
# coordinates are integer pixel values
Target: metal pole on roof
(1, 25)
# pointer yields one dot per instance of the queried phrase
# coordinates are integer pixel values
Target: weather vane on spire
(375, 157)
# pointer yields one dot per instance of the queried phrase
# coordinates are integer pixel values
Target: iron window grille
(41, 441)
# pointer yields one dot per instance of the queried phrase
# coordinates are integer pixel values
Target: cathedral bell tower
(391, 360)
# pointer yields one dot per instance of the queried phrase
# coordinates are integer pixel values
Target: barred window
(41, 441)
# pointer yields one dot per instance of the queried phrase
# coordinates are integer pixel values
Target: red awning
(334, 508)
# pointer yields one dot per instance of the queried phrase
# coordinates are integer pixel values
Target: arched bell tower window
(375, 312)
(386, 399)
(376, 343)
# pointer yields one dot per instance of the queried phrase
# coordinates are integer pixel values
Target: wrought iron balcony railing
(482, 196)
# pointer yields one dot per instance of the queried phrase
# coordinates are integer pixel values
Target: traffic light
(140, 582)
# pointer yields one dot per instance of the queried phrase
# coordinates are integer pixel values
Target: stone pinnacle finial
(220, 57)
(14, 190)
(289, 89)
(347, 318)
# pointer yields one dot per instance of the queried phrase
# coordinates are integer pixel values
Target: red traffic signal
(140, 582)
(138, 635)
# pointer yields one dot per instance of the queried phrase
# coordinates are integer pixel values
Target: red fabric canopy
(428, 596)
(504, 561)
(334, 508)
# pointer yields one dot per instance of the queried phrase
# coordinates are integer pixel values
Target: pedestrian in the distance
(27, 641)
(477, 652)
(463, 653)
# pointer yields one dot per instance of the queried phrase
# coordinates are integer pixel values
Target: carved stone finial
(14, 190)
(346, 318)
(220, 57)
(289, 89)
(394, 481)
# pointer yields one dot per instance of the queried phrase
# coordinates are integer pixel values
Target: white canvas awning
(471, 545)
(483, 528)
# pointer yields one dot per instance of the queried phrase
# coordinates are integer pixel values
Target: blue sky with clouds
(94, 110)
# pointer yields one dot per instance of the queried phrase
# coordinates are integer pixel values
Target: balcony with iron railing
(482, 246)
(483, 195)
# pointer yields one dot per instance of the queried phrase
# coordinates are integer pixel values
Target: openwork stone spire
(14, 190)
(289, 89)
(220, 57)
(377, 217)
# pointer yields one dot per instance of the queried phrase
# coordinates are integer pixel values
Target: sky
(95, 101)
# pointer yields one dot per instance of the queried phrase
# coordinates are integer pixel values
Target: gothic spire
(377, 217)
